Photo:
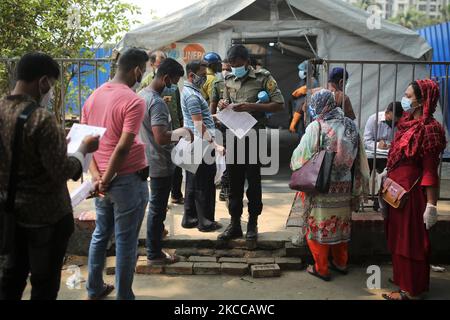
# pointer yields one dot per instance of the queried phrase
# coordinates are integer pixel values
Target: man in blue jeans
(121, 170)
(156, 132)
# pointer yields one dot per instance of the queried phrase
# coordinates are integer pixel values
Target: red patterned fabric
(416, 137)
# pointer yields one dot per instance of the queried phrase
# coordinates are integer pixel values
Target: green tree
(364, 4)
(61, 28)
(413, 19)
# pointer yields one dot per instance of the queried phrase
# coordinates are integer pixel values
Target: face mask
(312, 113)
(302, 74)
(137, 85)
(47, 97)
(239, 72)
(406, 104)
(347, 85)
(171, 89)
(198, 81)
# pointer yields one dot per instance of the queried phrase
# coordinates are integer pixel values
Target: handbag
(315, 175)
(394, 194)
(7, 216)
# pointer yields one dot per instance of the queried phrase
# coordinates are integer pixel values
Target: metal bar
(344, 79)
(79, 90)
(376, 129)
(394, 100)
(96, 74)
(414, 72)
(63, 105)
(376, 62)
(444, 115)
(360, 95)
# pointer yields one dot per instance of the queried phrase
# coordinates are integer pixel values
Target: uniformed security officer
(241, 89)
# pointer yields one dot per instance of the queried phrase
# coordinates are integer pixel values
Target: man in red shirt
(121, 168)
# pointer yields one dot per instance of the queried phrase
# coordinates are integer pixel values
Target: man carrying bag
(36, 218)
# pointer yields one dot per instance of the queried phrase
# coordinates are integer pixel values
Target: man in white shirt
(382, 136)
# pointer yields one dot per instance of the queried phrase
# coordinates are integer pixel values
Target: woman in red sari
(414, 156)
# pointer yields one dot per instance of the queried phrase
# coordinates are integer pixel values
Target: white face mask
(46, 98)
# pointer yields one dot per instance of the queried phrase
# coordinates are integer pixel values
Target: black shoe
(190, 224)
(233, 231)
(212, 227)
(252, 229)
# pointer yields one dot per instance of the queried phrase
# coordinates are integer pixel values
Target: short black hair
(131, 59)
(417, 90)
(154, 55)
(238, 51)
(194, 66)
(171, 68)
(398, 108)
(36, 65)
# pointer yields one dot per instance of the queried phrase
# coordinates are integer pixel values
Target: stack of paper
(239, 123)
(76, 135)
(81, 193)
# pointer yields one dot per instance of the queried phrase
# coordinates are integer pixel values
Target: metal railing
(76, 75)
(375, 84)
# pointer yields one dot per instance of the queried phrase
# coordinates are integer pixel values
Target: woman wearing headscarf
(413, 162)
(327, 217)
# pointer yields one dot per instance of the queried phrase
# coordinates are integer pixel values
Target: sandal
(312, 271)
(403, 295)
(333, 267)
(107, 289)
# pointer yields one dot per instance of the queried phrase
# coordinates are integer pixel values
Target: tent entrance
(281, 56)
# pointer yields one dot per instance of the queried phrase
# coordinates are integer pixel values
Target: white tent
(300, 29)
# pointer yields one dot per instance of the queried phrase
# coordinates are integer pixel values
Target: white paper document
(221, 166)
(81, 193)
(77, 133)
(187, 155)
(239, 123)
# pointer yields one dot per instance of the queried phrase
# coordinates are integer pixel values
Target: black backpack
(7, 217)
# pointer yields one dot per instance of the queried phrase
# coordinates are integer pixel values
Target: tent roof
(352, 19)
(207, 13)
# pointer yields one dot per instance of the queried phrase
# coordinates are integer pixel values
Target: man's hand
(242, 107)
(90, 144)
(383, 145)
(220, 149)
(182, 133)
(222, 104)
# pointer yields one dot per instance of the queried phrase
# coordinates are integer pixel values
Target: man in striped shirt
(200, 195)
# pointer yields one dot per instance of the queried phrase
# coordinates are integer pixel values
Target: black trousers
(39, 251)
(177, 180)
(380, 165)
(200, 196)
(238, 174)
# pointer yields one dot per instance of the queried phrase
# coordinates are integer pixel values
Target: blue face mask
(171, 89)
(239, 72)
(312, 113)
(406, 104)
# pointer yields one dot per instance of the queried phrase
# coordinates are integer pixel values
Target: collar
(251, 74)
(381, 116)
(191, 85)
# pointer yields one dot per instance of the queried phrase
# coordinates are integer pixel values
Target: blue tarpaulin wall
(438, 36)
(88, 82)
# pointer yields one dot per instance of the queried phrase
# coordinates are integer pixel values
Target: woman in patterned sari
(327, 217)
